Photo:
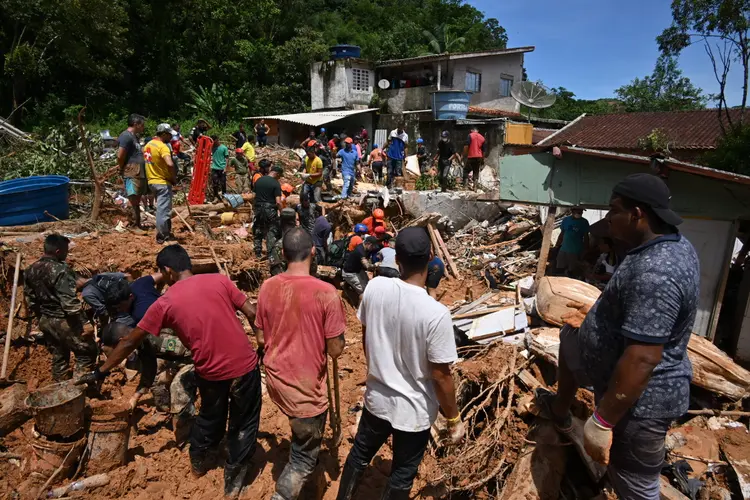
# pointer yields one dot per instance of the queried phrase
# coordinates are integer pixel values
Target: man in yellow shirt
(162, 175)
(249, 151)
(313, 174)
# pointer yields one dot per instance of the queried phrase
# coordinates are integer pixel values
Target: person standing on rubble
(375, 161)
(321, 232)
(50, 291)
(435, 274)
(268, 204)
(475, 151)
(397, 151)
(409, 347)
(261, 132)
(306, 213)
(301, 320)
(226, 366)
(349, 160)
(240, 165)
(313, 174)
(572, 243)
(422, 157)
(219, 155)
(131, 163)
(240, 137)
(162, 175)
(631, 346)
(445, 156)
(356, 265)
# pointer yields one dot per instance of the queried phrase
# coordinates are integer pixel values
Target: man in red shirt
(374, 221)
(475, 149)
(301, 319)
(201, 310)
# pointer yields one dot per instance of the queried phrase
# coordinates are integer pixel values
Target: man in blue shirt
(396, 152)
(632, 345)
(572, 243)
(349, 160)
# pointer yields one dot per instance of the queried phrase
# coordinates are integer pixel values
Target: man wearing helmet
(377, 219)
(360, 231)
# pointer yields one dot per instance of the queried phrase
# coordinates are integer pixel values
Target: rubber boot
(234, 479)
(350, 478)
(199, 465)
(390, 493)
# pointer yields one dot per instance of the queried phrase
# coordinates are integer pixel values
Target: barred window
(360, 79)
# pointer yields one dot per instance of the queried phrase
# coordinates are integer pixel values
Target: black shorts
(435, 273)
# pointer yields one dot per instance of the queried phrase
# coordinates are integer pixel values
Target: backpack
(337, 252)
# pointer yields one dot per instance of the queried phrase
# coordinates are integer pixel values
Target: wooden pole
(549, 226)
(216, 259)
(9, 331)
(436, 247)
(98, 181)
(182, 219)
(448, 257)
(337, 401)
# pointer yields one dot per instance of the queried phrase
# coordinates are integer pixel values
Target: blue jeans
(163, 195)
(394, 170)
(348, 184)
(313, 191)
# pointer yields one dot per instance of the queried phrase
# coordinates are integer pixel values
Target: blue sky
(593, 47)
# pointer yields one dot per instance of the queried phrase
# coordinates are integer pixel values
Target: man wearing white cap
(162, 175)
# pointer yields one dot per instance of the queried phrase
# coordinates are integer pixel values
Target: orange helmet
(378, 213)
(311, 143)
(379, 231)
(287, 188)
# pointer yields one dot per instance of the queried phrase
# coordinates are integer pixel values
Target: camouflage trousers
(265, 226)
(62, 336)
(174, 389)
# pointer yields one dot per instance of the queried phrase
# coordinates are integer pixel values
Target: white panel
(710, 239)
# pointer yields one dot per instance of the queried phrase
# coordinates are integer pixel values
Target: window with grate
(505, 85)
(473, 81)
(360, 79)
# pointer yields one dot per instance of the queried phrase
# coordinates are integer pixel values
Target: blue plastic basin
(24, 201)
(450, 104)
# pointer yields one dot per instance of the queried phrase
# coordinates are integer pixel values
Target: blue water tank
(345, 51)
(450, 104)
(24, 201)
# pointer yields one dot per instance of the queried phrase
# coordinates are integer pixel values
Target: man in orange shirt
(475, 149)
(301, 319)
(360, 231)
(374, 221)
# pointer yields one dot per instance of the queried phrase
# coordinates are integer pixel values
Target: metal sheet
(314, 119)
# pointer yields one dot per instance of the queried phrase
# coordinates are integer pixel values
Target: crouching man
(175, 388)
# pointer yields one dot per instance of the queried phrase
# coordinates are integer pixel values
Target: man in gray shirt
(130, 161)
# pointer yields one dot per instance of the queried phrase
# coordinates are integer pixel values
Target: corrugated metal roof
(315, 118)
(454, 56)
(684, 129)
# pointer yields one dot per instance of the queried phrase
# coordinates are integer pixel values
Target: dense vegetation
(121, 56)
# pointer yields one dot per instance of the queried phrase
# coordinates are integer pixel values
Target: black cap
(372, 240)
(649, 190)
(413, 242)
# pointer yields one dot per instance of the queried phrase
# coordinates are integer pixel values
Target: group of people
(474, 152)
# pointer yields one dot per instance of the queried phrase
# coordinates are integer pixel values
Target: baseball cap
(649, 190)
(311, 143)
(413, 242)
(164, 127)
(372, 240)
(238, 150)
(444, 133)
(348, 140)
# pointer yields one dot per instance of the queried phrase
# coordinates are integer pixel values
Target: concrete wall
(492, 70)
(412, 99)
(459, 207)
(331, 82)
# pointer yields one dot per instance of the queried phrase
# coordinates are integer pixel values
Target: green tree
(664, 90)
(723, 26)
(732, 154)
(441, 40)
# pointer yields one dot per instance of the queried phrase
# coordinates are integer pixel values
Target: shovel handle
(9, 332)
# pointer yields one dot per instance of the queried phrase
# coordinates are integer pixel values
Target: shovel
(335, 405)
(4, 382)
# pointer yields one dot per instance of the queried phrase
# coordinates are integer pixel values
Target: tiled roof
(540, 134)
(684, 129)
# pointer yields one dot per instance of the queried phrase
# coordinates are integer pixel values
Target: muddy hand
(90, 378)
(575, 318)
(455, 432)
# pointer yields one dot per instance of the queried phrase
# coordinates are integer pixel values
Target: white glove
(304, 175)
(597, 440)
(456, 432)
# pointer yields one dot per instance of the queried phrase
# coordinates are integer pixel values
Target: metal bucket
(47, 456)
(58, 409)
(109, 434)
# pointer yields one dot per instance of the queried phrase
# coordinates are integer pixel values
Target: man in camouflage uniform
(50, 289)
(267, 206)
(276, 260)
(167, 369)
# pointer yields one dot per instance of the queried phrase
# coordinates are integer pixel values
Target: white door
(710, 239)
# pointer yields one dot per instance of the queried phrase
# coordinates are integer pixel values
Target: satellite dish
(533, 95)
(384, 84)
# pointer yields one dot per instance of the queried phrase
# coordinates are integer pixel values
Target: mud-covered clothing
(97, 292)
(307, 436)
(63, 335)
(50, 289)
(166, 346)
(423, 159)
(266, 226)
(306, 217)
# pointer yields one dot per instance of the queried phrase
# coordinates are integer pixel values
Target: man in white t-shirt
(409, 347)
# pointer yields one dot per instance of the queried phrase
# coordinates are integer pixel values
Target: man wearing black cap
(631, 346)
(267, 207)
(409, 346)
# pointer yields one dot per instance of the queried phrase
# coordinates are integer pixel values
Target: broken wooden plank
(13, 410)
(479, 312)
(528, 380)
(715, 371)
(669, 492)
(436, 246)
(549, 226)
(447, 254)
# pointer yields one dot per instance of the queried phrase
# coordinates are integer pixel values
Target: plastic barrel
(450, 104)
(345, 51)
(25, 201)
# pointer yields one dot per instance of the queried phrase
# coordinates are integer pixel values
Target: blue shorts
(435, 272)
(135, 186)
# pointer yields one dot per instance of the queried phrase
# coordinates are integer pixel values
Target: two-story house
(407, 84)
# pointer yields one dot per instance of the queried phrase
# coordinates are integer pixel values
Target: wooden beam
(436, 247)
(447, 254)
(549, 226)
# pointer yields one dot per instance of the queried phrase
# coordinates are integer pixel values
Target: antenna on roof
(533, 95)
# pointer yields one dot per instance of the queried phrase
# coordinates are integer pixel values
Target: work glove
(91, 378)
(597, 439)
(133, 403)
(455, 432)
(575, 318)
(304, 175)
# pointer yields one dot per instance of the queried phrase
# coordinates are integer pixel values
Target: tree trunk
(13, 410)
(98, 181)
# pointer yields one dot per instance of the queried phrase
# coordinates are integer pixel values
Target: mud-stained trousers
(266, 225)
(307, 436)
(62, 336)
